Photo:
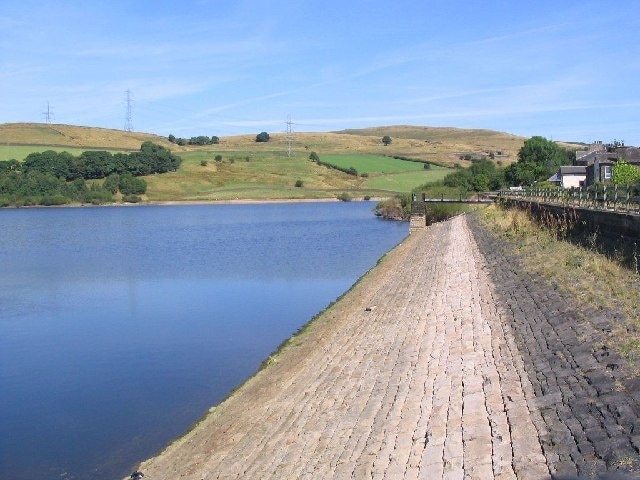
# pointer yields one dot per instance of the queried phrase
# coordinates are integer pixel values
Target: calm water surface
(119, 327)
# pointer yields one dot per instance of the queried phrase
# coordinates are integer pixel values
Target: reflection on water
(119, 327)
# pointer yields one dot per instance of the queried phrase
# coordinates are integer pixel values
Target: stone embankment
(444, 362)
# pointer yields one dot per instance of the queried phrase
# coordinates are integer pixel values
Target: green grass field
(250, 175)
(372, 163)
(405, 182)
(268, 174)
(388, 174)
(11, 152)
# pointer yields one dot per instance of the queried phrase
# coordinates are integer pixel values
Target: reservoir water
(120, 327)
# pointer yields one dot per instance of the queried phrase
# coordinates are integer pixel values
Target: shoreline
(293, 350)
(150, 203)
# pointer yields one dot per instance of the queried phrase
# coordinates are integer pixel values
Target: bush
(299, 183)
(218, 158)
(262, 137)
(344, 197)
(49, 200)
(131, 198)
(111, 183)
(130, 185)
(203, 163)
(395, 208)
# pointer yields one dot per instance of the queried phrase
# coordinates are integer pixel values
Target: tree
(538, 159)
(215, 140)
(262, 137)
(313, 156)
(10, 166)
(386, 140)
(111, 183)
(47, 162)
(130, 185)
(625, 174)
(481, 176)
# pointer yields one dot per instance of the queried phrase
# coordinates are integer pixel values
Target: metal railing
(601, 197)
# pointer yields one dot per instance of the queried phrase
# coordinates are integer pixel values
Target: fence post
(628, 189)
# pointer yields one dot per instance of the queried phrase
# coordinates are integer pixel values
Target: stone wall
(616, 233)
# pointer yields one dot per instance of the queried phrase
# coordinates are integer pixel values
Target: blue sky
(567, 70)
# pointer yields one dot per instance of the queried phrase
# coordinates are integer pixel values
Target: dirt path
(416, 373)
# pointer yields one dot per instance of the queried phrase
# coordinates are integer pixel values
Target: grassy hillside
(445, 145)
(82, 138)
(251, 170)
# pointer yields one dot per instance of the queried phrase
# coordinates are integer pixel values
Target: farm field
(373, 163)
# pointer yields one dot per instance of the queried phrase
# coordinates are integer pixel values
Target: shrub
(130, 185)
(262, 137)
(218, 158)
(131, 198)
(299, 183)
(49, 200)
(203, 163)
(111, 183)
(344, 197)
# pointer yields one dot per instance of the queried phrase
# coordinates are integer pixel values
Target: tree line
(538, 159)
(199, 140)
(314, 157)
(52, 178)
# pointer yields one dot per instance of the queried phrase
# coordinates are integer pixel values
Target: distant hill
(443, 146)
(73, 136)
(448, 144)
(238, 167)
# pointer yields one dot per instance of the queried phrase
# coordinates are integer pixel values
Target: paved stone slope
(587, 399)
(423, 371)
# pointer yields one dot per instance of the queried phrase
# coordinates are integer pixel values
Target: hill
(240, 168)
(445, 144)
(52, 135)
(442, 146)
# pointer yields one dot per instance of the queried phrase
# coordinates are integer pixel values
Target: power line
(48, 114)
(289, 136)
(128, 122)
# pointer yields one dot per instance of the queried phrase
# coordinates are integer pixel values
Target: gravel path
(442, 363)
